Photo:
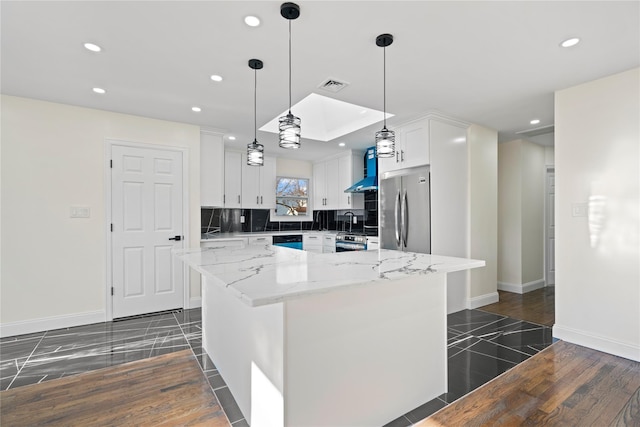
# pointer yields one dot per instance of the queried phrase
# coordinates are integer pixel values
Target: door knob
(177, 238)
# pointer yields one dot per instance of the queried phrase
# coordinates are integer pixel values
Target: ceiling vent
(333, 85)
(537, 131)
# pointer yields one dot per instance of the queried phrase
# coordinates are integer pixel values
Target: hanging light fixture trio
(385, 138)
(289, 125)
(255, 151)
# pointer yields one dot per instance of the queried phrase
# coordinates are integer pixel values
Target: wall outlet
(355, 219)
(80, 212)
(241, 219)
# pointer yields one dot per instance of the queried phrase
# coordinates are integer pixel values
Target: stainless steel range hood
(370, 181)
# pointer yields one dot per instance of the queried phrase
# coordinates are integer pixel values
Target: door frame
(108, 144)
(547, 169)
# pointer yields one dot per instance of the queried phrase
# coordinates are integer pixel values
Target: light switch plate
(578, 209)
(241, 219)
(80, 212)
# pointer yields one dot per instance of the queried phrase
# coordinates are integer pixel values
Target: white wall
(294, 168)
(521, 166)
(54, 267)
(483, 213)
(549, 156)
(597, 155)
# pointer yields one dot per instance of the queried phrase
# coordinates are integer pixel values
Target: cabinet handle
(238, 198)
(402, 155)
(397, 156)
(348, 200)
(260, 199)
(224, 198)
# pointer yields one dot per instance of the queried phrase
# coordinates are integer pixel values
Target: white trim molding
(49, 323)
(596, 342)
(521, 289)
(483, 300)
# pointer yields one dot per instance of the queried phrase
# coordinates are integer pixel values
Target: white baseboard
(483, 300)
(521, 289)
(607, 345)
(195, 302)
(50, 323)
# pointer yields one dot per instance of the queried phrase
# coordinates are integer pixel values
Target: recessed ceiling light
(216, 78)
(196, 109)
(252, 21)
(570, 42)
(232, 138)
(535, 121)
(92, 47)
(342, 144)
(99, 90)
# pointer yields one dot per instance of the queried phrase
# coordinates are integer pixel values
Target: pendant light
(385, 139)
(255, 151)
(289, 125)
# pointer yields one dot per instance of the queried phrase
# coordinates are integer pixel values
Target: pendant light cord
(255, 102)
(384, 86)
(289, 66)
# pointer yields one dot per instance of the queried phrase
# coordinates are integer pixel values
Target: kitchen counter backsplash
(223, 220)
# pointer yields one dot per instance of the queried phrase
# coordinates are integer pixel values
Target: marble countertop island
(266, 274)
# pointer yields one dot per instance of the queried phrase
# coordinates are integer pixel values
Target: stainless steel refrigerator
(405, 213)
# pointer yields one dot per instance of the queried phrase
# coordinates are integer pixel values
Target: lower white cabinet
(260, 240)
(373, 243)
(312, 243)
(236, 242)
(329, 243)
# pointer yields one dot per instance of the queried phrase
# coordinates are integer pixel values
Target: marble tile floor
(481, 346)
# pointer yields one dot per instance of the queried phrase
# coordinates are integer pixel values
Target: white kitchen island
(341, 339)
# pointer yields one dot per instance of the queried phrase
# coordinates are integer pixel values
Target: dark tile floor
(481, 346)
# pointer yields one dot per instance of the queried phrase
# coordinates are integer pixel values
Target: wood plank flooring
(536, 306)
(166, 390)
(564, 385)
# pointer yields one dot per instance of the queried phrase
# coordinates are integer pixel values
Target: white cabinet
(412, 147)
(232, 179)
(211, 169)
(260, 240)
(312, 243)
(373, 243)
(259, 184)
(235, 242)
(328, 243)
(332, 176)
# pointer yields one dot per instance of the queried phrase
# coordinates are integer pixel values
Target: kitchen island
(343, 339)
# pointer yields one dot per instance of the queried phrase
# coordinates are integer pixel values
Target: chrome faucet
(350, 221)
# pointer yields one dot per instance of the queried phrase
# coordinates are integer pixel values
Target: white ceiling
(492, 63)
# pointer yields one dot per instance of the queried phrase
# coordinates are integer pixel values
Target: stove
(346, 242)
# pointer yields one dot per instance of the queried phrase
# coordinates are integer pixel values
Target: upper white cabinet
(259, 184)
(232, 179)
(211, 169)
(332, 176)
(412, 147)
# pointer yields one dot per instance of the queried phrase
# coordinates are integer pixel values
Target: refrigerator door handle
(405, 219)
(397, 218)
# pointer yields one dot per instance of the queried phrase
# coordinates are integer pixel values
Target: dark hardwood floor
(536, 306)
(167, 390)
(564, 385)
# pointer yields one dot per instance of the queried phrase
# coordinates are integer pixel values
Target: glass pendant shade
(289, 126)
(255, 154)
(385, 143)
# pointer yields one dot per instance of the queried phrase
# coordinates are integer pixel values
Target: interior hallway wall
(597, 156)
(521, 174)
(53, 157)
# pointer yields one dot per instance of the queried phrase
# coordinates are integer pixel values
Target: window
(292, 196)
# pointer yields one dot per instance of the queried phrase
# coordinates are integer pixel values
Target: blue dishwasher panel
(293, 245)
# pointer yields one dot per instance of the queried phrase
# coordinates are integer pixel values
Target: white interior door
(550, 241)
(146, 204)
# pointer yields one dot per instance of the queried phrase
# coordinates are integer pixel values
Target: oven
(350, 242)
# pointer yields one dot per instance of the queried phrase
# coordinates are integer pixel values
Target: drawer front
(260, 240)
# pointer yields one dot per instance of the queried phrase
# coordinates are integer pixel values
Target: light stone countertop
(266, 274)
(245, 234)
